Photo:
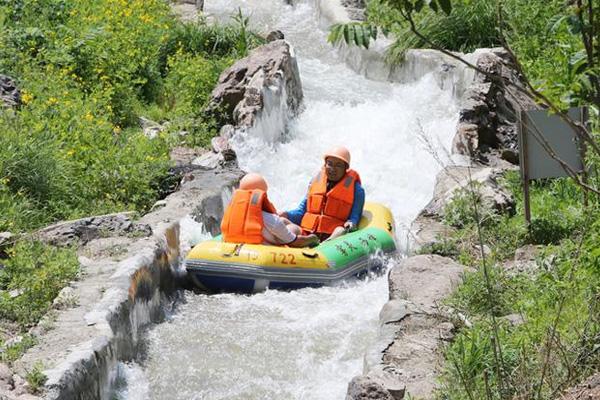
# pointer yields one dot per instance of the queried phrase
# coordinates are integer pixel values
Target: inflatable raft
(219, 266)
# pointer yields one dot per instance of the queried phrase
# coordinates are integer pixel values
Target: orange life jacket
(325, 210)
(243, 220)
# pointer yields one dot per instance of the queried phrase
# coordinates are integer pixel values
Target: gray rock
(239, 95)
(275, 35)
(209, 160)
(151, 129)
(413, 330)
(424, 279)
(366, 388)
(453, 178)
(355, 8)
(427, 231)
(220, 144)
(183, 156)
(524, 261)
(487, 127)
(6, 374)
(514, 319)
(6, 238)
(85, 229)
(10, 95)
(66, 298)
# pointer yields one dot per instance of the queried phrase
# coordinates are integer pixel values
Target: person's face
(335, 169)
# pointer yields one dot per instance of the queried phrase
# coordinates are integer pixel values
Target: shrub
(36, 273)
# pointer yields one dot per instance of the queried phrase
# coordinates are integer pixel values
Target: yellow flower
(26, 98)
(89, 117)
(52, 101)
(117, 130)
(71, 152)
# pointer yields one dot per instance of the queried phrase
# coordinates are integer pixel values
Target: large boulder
(454, 178)
(487, 127)
(413, 330)
(10, 96)
(245, 88)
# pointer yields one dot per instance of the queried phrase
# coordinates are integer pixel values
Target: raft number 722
(284, 258)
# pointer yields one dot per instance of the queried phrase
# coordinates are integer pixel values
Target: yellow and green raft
(247, 268)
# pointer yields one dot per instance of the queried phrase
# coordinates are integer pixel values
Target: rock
(10, 95)
(209, 160)
(366, 388)
(587, 390)
(355, 9)
(227, 131)
(424, 279)
(413, 330)
(28, 396)
(15, 293)
(275, 35)
(66, 298)
(524, 260)
(487, 127)
(452, 178)
(157, 205)
(219, 144)
(239, 97)
(6, 239)
(514, 319)
(151, 129)
(6, 375)
(183, 156)
(85, 229)
(427, 231)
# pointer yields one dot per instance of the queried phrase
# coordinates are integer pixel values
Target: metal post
(583, 118)
(524, 165)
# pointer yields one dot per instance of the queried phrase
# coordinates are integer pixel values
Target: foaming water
(305, 344)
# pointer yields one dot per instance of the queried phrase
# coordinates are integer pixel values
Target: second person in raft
(335, 199)
(251, 218)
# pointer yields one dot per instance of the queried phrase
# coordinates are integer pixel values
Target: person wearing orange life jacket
(335, 198)
(251, 218)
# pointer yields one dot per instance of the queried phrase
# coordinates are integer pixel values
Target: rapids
(309, 343)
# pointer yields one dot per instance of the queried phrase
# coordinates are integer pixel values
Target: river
(305, 344)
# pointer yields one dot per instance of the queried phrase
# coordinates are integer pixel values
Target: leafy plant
(359, 34)
(36, 377)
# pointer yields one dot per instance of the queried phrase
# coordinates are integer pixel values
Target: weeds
(36, 377)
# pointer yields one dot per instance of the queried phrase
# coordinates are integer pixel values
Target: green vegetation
(558, 294)
(87, 71)
(556, 343)
(36, 378)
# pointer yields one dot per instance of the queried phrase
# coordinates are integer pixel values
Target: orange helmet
(253, 181)
(339, 152)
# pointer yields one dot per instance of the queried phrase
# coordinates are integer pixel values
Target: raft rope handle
(310, 255)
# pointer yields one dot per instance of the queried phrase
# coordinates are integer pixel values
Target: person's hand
(282, 214)
(337, 232)
(348, 226)
(313, 240)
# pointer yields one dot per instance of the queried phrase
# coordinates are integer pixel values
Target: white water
(305, 344)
